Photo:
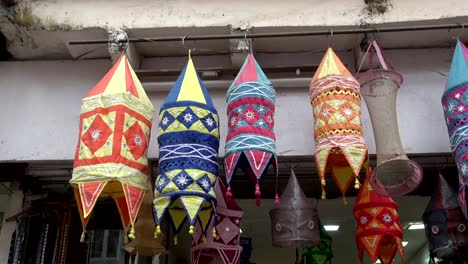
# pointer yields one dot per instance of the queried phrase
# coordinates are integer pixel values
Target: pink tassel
(257, 193)
(257, 190)
(229, 193)
(277, 200)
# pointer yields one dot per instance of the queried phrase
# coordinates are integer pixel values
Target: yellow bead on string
(357, 184)
(131, 234)
(191, 230)
(323, 182)
(175, 240)
(204, 239)
(213, 232)
(324, 194)
(345, 202)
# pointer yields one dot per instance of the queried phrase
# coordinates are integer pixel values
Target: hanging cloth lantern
(395, 174)
(379, 231)
(455, 104)
(446, 228)
(294, 222)
(188, 154)
(224, 242)
(336, 102)
(250, 143)
(111, 157)
(145, 244)
(321, 254)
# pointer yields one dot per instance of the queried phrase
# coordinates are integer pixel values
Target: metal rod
(279, 34)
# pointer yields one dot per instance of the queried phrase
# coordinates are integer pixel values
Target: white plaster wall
(260, 13)
(40, 103)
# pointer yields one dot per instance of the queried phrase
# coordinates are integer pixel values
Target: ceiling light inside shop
(331, 227)
(415, 226)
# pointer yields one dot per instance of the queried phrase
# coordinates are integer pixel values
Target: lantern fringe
(277, 199)
(229, 193)
(83, 236)
(357, 184)
(258, 193)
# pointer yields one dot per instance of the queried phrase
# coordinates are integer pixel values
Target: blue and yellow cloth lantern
(188, 154)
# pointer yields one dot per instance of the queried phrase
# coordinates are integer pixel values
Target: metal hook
(183, 40)
(463, 30)
(249, 44)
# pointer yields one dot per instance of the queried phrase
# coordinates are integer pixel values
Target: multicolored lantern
(336, 102)
(250, 143)
(395, 174)
(379, 231)
(321, 254)
(455, 104)
(188, 154)
(111, 157)
(294, 222)
(446, 228)
(225, 244)
(145, 244)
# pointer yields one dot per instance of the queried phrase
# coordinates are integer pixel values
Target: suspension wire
(280, 34)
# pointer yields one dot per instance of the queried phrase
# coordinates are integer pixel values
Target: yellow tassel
(175, 240)
(213, 232)
(191, 231)
(324, 195)
(323, 182)
(204, 239)
(345, 202)
(357, 184)
(131, 234)
(83, 236)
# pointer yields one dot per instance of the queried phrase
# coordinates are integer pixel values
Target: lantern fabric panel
(111, 156)
(336, 103)
(446, 227)
(395, 175)
(145, 244)
(250, 143)
(379, 231)
(188, 154)
(223, 235)
(294, 222)
(455, 105)
(321, 254)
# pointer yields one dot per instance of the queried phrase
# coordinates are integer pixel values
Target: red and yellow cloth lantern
(111, 157)
(379, 231)
(336, 103)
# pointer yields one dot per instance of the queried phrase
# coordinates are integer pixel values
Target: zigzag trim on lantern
(332, 82)
(251, 89)
(340, 131)
(108, 100)
(109, 172)
(244, 142)
(337, 92)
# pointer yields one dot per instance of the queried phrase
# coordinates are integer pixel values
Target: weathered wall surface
(40, 103)
(241, 13)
